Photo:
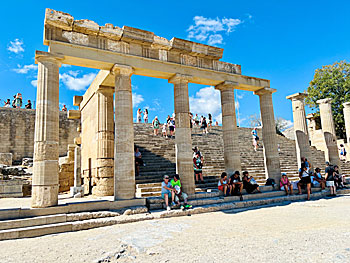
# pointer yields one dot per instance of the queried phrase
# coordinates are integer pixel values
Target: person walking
(171, 125)
(255, 139)
(204, 126)
(138, 115)
(18, 100)
(145, 116)
(210, 118)
(342, 153)
(155, 125)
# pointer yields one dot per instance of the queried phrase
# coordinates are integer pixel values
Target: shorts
(316, 184)
(198, 171)
(171, 128)
(167, 192)
(330, 183)
(182, 196)
(282, 187)
(221, 188)
(305, 180)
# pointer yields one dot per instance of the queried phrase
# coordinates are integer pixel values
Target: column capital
(227, 85)
(311, 116)
(324, 101)
(265, 90)
(105, 90)
(178, 78)
(124, 70)
(346, 104)
(42, 56)
(297, 96)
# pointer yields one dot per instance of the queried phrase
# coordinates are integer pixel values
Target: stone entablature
(62, 27)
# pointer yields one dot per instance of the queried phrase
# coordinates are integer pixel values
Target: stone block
(74, 114)
(181, 45)
(111, 32)
(86, 26)
(77, 100)
(59, 19)
(6, 158)
(131, 34)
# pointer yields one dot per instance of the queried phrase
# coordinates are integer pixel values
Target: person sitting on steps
(317, 180)
(285, 184)
(179, 194)
(167, 190)
(236, 184)
(304, 180)
(249, 183)
(138, 161)
(223, 185)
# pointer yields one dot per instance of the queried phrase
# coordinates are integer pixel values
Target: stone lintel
(227, 85)
(177, 78)
(346, 104)
(74, 114)
(263, 91)
(297, 96)
(324, 101)
(119, 69)
(41, 56)
(77, 100)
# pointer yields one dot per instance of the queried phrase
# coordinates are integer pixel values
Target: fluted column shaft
(346, 111)
(105, 143)
(183, 141)
(77, 166)
(300, 127)
(46, 138)
(271, 157)
(124, 164)
(229, 126)
(328, 129)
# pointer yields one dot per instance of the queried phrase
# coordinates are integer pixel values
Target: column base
(44, 196)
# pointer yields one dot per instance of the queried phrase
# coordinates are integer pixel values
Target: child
(285, 184)
(176, 184)
(164, 130)
(223, 184)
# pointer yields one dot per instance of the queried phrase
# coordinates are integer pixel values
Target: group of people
(139, 115)
(17, 102)
(202, 122)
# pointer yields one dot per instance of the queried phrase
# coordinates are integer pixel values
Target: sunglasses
(166, 178)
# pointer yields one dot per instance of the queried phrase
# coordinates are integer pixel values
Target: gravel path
(314, 231)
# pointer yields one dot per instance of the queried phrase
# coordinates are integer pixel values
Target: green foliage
(331, 81)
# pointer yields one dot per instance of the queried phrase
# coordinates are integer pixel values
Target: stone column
(46, 138)
(105, 143)
(346, 111)
(77, 190)
(229, 127)
(300, 127)
(272, 160)
(328, 129)
(183, 141)
(124, 164)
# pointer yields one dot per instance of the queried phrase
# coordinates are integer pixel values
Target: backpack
(271, 182)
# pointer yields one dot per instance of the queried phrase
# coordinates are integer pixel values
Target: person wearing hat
(155, 125)
(236, 183)
(285, 184)
(167, 190)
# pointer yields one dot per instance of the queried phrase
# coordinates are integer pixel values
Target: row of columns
(121, 156)
(328, 128)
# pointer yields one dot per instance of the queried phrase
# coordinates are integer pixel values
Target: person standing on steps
(196, 120)
(329, 175)
(138, 161)
(155, 125)
(164, 133)
(204, 126)
(145, 116)
(210, 118)
(255, 139)
(304, 180)
(167, 191)
(171, 125)
(138, 115)
(342, 152)
(197, 166)
(191, 124)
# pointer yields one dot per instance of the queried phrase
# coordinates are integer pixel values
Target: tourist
(64, 108)
(236, 184)
(338, 178)
(329, 175)
(307, 164)
(196, 151)
(285, 185)
(138, 161)
(14, 102)
(7, 103)
(204, 126)
(171, 125)
(28, 105)
(145, 115)
(168, 119)
(255, 139)
(167, 190)
(223, 185)
(317, 180)
(249, 183)
(201, 120)
(191, 121)
(18, 100)
(196, 120)
(197, 166)
(155, 125)
(342, 152)
(164, 133)
(304, 180)
(179, 194)
(138, 115)
(210, 118)
(216, 123)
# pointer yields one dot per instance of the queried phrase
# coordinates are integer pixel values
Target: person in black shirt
(330, 178)
(236, 184)
(28, 105)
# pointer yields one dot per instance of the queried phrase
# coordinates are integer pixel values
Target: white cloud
(136, 99)
(210, 30)
(25, 69)
(73, 82)
(16, 46)
(34, 83)
(207, 100)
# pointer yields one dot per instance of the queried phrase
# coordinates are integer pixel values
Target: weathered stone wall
(17, 132)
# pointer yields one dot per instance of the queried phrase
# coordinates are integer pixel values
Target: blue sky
(284, 41)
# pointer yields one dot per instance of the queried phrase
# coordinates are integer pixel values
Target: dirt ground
(314, 231)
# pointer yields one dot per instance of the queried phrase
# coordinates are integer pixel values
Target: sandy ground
(314, 231)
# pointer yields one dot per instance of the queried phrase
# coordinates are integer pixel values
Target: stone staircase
(159, 155)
